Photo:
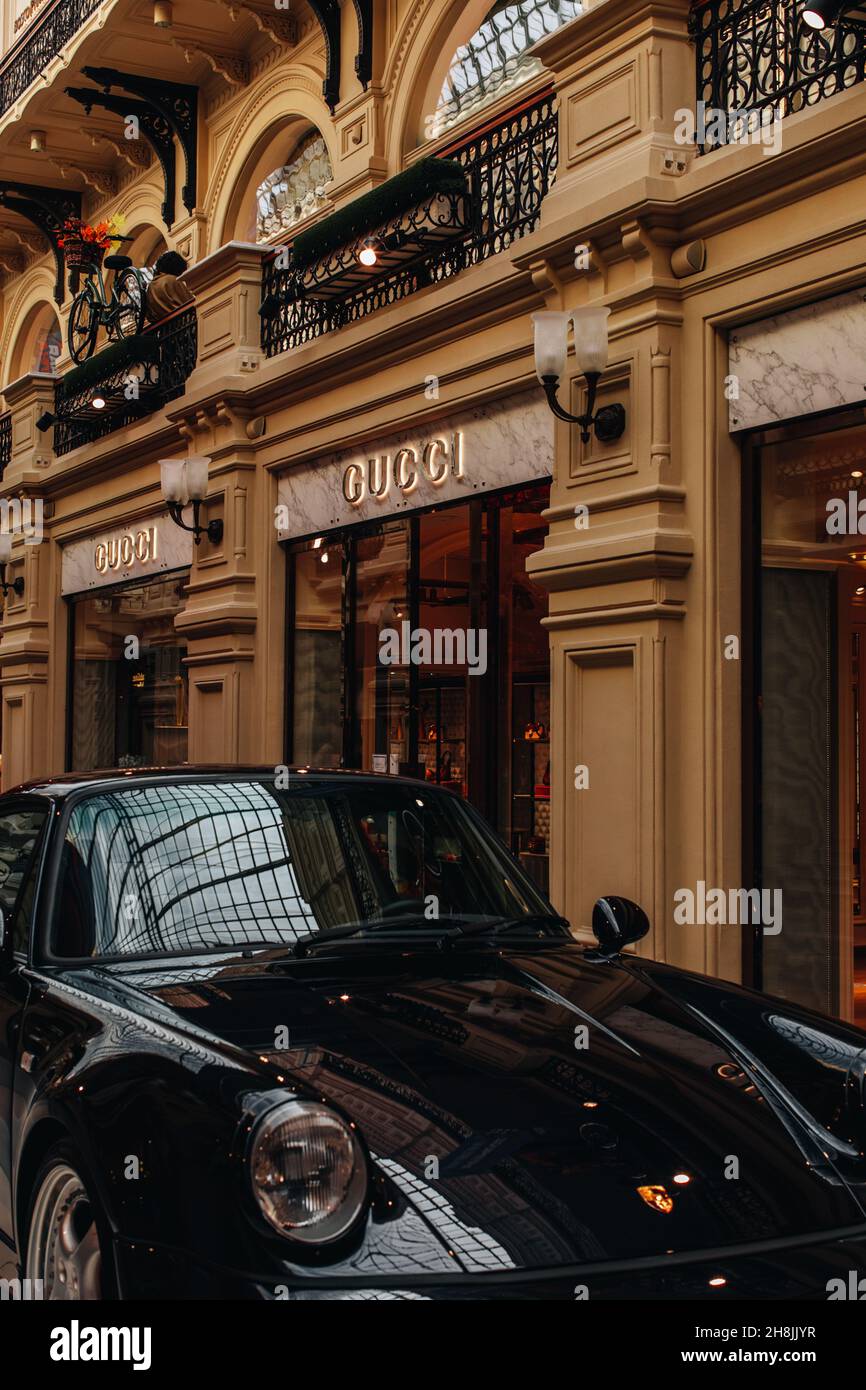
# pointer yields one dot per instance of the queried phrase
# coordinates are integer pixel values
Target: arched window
(48, 344)
(296, 190)
(38, 344)
(495, 60)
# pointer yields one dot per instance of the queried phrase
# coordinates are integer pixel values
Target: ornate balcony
(509, 170)
(150, 372)
(50, 32)
(761, 56)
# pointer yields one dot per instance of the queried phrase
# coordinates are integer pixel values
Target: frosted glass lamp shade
(172, 475)
(551, 342)
(196, 477)
(590, 338)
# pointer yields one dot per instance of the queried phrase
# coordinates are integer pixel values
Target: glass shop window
(381, 672)
(129, 681)
(316, 680)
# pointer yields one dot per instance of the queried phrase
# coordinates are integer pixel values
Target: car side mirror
(616, 922)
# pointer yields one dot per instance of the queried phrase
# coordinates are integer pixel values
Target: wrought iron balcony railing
(48, 35)
(760, 56)
(129, 393)
(510, 169)
(5, 441)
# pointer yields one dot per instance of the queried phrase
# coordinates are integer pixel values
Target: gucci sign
(124, 551)
(439, 460)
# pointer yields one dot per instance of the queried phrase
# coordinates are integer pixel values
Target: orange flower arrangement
(74, 230)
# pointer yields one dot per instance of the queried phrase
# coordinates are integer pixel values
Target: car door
(22, 827)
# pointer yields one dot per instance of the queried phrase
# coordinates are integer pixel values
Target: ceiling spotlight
(369, 252)
(860, 591)
(162, 15)
(818, 14)
(856, 472)
(37, 140)
(98, 401)
(324, 557)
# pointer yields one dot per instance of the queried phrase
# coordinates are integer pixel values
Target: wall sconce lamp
(590, 350)
(17, 585)
(184, 481)
(46, 420)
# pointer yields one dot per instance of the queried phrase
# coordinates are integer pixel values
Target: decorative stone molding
(660, 367)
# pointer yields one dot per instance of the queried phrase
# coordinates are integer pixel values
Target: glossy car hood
(536, 1108)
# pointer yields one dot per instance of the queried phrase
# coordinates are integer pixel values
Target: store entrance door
(809, 705)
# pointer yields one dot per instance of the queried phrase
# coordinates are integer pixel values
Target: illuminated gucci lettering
(438, 461)
(123, 552)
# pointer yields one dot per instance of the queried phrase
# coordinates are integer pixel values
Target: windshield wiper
(390, 928)
(537, 926)
(447, 929)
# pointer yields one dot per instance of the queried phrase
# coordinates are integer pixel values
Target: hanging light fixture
(819, 14)
(369, 252)
(184, 483)
(97, 400)
(590, 351)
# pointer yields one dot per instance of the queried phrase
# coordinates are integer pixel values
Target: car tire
(66, 1243)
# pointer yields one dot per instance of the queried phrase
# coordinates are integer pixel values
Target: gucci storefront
(415, 639)
(128, 688)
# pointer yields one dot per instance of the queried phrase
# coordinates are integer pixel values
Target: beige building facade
(624, 734)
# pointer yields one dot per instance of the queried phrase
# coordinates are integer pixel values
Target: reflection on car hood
(536, 1108)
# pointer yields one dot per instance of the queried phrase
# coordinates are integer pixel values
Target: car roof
(69, 783)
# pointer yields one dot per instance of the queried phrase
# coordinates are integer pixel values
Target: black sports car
(316, 1036)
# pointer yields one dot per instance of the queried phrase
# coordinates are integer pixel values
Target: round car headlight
(308, 1172)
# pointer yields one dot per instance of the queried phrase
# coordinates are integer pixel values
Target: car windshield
(196, 866)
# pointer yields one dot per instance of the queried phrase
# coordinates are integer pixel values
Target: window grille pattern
(295, 191)
(495, 60)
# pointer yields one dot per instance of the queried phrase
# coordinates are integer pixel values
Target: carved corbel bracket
(102, 180)
(640, 243)
(231, 68)
(546, 280)
(12, 262)
(135, 153)
(281, 27)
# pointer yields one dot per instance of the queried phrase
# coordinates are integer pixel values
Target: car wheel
(64, 1245)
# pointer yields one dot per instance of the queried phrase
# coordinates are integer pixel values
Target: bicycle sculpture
(121, 313)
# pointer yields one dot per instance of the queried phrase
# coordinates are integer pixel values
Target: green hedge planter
(423, 180)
